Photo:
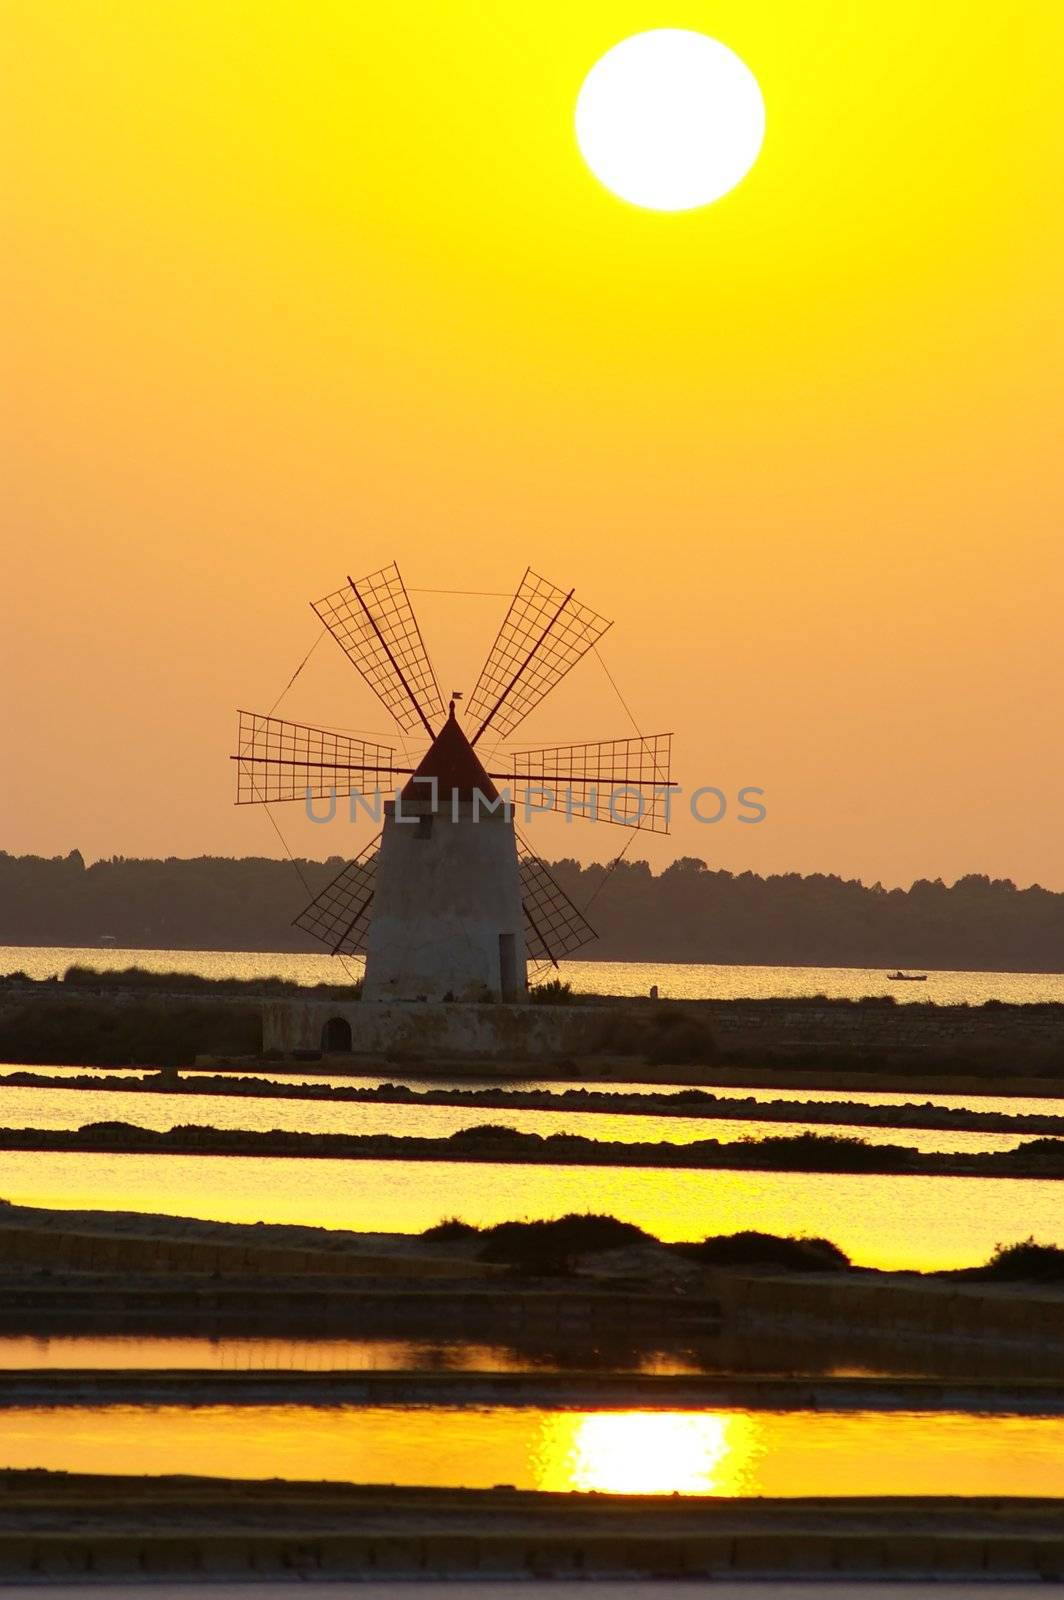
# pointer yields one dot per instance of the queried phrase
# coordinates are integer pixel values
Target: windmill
(449, 901)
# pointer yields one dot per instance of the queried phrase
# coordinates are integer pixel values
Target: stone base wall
(971, 1312)
(464, 1032)
(852, 1029)
(746, 1027)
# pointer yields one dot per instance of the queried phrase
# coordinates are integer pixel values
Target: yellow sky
(293, 289)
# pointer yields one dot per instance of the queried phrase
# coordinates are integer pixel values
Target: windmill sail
(278, 760)
(339, 916)
(544, 634)
(373, 622)
(504, 900)
(625, 781)
(553, 926)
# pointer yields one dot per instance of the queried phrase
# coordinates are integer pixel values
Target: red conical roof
(455, 765)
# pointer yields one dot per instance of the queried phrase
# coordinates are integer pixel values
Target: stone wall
(544, 1033)
(747, 1027)
(461, 1032)
(849, 1029)
(970, 1311)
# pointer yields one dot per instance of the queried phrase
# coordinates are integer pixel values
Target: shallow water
(74, 1108)
(719, 1453)
(675, 980)
(127, 1352)
(1011, 1105)
(880, 1221)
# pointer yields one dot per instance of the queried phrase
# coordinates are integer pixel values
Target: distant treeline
(689, 912)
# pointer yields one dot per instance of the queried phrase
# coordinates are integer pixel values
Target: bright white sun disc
(670, 119)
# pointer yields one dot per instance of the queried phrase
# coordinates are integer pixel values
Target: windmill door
(508, 966)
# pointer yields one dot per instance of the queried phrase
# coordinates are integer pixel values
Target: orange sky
(292, 290)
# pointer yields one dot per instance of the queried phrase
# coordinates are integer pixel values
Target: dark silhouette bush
(1042, 1155)
(828, 1152)
(550, 1248)
(552, 993)
(449, 1229)
(78, 977)
(147, 1031)
(752, 1249)
(125, 1131)
(1026, 1262)
(677, 1040)
(489, 1135)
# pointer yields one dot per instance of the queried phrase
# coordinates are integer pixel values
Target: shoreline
(113, 1529)
(584, 1390)
(1038, 1159)
(76, 1272)
(612, 1102)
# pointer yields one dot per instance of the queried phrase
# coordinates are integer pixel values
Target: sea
(673, 980)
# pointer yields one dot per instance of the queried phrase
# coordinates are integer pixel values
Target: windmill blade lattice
(278, 760)
(553, 926)
(624, 781)
(373, 622)
(544, 634)
(339, 916)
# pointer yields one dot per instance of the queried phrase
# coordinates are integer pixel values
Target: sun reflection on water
(648, 1452)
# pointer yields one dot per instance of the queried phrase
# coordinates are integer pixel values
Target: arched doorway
(336, 1036)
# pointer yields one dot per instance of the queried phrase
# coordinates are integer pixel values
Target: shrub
(752, 1249)
(669, 1036)
(684, 1044)
(449, 1229)
(618, 1034)
(828, 1152)
(1042, 1155)
(549, 1247)
(678, 1041)
(490, 1135)
(552, 993)
(153, 1031)
(79, 977)
(1026, 1262)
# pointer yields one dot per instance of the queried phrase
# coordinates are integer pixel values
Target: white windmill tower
(448, 902)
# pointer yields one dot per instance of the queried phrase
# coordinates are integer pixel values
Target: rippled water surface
(889, 1222)
(73, 1108)
(719, 1453)
(675, 980)
(118, 1352)
(1012, 1105)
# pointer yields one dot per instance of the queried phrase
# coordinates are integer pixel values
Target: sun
(670, 119)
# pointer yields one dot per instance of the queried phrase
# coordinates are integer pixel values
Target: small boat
(907, 977)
